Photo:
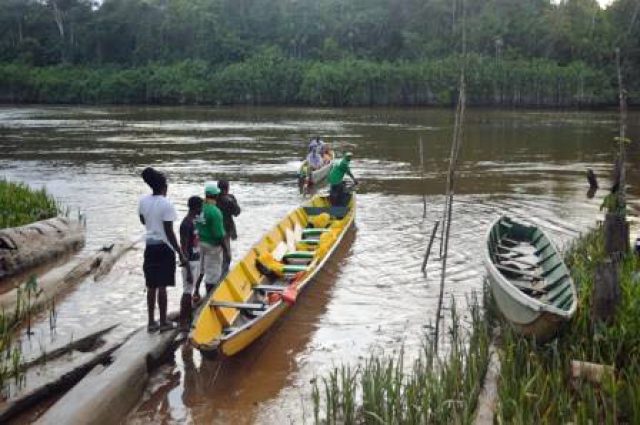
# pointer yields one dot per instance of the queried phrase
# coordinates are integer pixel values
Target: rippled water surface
(371, 295)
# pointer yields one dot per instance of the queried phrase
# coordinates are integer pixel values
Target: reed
(535, 384)
(433, 390)
(20, 205)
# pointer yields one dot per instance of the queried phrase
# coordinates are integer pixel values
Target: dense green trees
(333, 52)
(270, 78)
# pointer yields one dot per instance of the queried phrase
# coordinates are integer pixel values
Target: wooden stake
(426, 255)
(453, 162)
(424, 193)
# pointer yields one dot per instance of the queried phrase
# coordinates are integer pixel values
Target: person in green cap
(211, 232)
(337, 193)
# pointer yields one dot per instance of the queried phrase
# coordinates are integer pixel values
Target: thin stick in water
(426, 255)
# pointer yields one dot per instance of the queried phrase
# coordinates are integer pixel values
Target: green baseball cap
(211, 189)
(348, 155)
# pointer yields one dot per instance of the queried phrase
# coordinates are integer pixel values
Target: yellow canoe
(253, 295)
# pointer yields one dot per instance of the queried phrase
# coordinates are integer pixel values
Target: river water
(371, 295)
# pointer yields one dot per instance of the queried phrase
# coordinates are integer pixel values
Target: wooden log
(592, 372)
(66, 375)
(56, 280)
(24, 247)
(112, 254)
(81, 341)
(616, 234)
(606, 292)
(52, 282)
(488, 398)
(107, 394)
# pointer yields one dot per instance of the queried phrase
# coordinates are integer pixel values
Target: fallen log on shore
(25, 247)
(56, 280)
(488, 397)
(79, 342)
(108, 393)
(60, 373)
(113, 254)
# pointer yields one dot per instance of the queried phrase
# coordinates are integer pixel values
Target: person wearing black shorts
(157, 214)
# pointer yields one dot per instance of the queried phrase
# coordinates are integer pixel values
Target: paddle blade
(290, 294)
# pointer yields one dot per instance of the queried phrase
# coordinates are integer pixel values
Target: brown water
(371, 296)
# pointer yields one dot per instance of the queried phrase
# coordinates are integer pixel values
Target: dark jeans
(226, 255)
(338, 195)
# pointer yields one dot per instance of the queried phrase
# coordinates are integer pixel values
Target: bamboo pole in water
(623, 128)
(422, 182)
(426, 255)
(453, 162)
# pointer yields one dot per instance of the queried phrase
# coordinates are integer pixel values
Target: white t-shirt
(156, 209)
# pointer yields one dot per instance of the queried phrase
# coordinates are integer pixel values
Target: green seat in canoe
(313, 232)
(310, 241)
(292, 268)
(299, 254)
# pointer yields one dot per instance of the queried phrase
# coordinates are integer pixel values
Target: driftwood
(56, 280)
(108, 393)
(24, 247)
(68, 373)
(606, 292)
(488, 398)
(79, 342)
(592, 372)
(112, 254)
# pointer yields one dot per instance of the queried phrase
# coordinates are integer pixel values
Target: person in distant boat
(211, 231)
(314, 157)
(190, 245)
(337, 192)
(229, 207)
(157, 214)
(325, 152)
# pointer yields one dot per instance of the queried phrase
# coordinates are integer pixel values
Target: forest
(317, 52)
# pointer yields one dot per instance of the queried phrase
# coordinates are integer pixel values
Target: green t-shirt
(210, 227)
(336, 175)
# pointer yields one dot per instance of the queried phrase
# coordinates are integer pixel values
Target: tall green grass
(535, 384)
(434, 390)
(19, 204)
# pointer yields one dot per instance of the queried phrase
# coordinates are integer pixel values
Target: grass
(434, 390)
(20, 205)
(536, 385)
(11, 360)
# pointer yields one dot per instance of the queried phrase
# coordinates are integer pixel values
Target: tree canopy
(221, 33)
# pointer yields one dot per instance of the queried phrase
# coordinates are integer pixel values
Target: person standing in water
(211, 232)
(229, 207)
(190, 245)
(157, 214)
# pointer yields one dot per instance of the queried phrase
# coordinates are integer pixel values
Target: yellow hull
(221, 325)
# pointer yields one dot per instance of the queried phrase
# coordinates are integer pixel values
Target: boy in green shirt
(337, 194)
(211, 233)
